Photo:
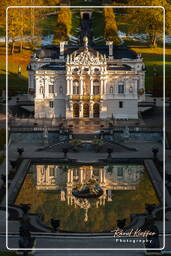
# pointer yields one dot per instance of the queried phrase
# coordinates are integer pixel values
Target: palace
(86, 82)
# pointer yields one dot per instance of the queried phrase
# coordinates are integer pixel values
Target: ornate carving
(86, 58)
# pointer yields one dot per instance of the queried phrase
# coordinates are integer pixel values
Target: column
(100, 175)
(71, 176)
(81, 86)
(91, 86)
(91, 109)
(81, 175)
(68, 176)
(71, 86)
(101, 86)
(104, 84)
(91, 172)
(81, 109)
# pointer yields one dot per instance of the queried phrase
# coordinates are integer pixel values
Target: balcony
(96, 98)
(75, 97)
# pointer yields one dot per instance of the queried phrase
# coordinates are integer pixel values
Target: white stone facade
(87, 84)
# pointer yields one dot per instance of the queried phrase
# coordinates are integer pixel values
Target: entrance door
(86, 16)
(96, 110)
(76, 110)
(86, 110)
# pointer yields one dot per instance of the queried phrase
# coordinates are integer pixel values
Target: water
(37, 137)
(136, 136)
(48, 188)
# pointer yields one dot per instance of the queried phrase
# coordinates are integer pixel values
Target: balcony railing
(96, 98)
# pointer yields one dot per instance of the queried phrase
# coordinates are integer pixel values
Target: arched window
(96, 87)
(76, 87)
(76, 110)
(121, 87)
(111, 89)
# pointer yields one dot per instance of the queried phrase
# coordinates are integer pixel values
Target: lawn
(16, 82)
(153, 57)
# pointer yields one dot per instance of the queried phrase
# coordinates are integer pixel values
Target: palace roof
(53, 52)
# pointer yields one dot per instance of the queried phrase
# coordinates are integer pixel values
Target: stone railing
(85, 97)
(96, 98)
(75, 97)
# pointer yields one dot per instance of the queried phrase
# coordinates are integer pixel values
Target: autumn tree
(63, 25)
(110, 29)
(149, 20)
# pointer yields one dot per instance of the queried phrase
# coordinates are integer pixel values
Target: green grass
(7, 253)
(15, 82)
(154, 57)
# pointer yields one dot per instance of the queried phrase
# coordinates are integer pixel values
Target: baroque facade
(86, 82)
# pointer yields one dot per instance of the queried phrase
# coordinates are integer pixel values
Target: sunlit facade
(86, 82)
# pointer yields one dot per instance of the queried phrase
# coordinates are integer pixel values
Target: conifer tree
(110, 26)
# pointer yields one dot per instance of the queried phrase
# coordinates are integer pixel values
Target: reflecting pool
(50, 189)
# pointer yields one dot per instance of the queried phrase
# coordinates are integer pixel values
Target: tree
(149, 20)
(110, 29)
(64, 25)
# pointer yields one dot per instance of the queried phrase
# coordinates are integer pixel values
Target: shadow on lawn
(16, 83)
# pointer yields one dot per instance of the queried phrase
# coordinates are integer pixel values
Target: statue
(45, 135)
(126, 133)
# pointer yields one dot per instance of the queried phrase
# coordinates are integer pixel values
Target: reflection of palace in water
(109, 178)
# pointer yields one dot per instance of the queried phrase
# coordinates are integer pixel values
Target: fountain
(90, 189)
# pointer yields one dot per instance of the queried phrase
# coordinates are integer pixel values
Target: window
(120, 104)
(51, 104)
(120, 171)
(51, 172)
(96, 70)
(130, 89)
(111, 89)
(76, 88)
(51, 88)
(121, 88)
(96, 87)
